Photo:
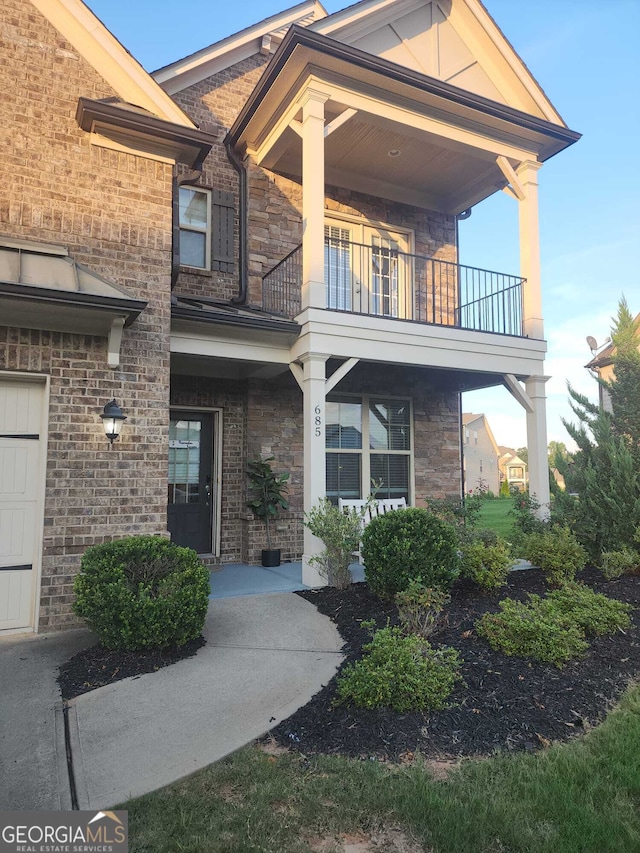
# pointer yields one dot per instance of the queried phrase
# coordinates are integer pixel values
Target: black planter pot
(271, 557)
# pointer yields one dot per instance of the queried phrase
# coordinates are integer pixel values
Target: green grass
(494, 515)
(582, 796)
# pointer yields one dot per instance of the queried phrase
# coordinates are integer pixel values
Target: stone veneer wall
(113, 211)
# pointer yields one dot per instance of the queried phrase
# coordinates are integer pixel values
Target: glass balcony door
(368, 269)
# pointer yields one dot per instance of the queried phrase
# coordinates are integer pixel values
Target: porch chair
(369, 510)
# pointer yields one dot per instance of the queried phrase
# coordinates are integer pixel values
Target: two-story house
(479, 454)
(254, 251)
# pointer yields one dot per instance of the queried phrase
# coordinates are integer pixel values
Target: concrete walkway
(266, 656)
(33, 766)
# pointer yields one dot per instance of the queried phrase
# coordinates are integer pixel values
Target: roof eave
(303, 37)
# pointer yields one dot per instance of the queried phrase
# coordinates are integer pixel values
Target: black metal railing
(382, 281)
(281, 286)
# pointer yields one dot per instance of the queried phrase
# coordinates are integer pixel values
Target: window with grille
(368, 443)
(337, 267)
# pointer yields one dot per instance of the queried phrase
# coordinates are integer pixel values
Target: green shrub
(408, 544)
(401, 672)
(626, 561)
(142, 592)
(532, 630)
(557, 552)
(340, 533)
(486, 565)
(421, 609)
(591, 611)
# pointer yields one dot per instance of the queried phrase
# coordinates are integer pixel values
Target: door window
(184, 461)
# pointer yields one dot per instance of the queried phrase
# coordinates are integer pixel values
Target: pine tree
(625, 387)
(605, 471)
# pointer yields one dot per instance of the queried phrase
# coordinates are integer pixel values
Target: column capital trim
(311, 95)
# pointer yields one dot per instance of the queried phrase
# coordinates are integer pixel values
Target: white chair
(369, 510)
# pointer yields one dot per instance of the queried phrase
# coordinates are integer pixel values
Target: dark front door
(190, 509)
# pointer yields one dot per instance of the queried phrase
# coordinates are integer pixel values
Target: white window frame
(195, 229)
(365, 451)
(361, 230)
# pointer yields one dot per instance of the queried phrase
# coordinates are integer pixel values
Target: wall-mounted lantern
(112, 420)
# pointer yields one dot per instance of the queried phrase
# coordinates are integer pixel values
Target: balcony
(382, 281)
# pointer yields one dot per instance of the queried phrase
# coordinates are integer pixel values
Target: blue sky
(585, 55)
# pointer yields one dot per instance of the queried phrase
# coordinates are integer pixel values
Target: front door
(190, 510)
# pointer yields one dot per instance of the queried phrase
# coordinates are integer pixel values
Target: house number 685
(318, 420)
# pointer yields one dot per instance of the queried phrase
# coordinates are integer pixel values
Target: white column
(313, 288)
(537, 443)
(314, 391)
(527, 173)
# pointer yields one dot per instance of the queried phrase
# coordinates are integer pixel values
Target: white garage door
(20, 445)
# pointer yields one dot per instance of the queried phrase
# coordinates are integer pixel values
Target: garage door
(20, 470)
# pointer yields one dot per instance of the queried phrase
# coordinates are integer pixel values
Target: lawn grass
(494, 515)
(579, 796)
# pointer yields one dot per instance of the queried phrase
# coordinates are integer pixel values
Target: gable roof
(456, 41)
(469, 418)
(257, 38)
(111, 60)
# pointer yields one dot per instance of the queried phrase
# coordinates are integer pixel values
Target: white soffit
(248, 42)
(455, 41)
(111, 60)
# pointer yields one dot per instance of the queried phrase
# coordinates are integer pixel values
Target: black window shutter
(223, 212)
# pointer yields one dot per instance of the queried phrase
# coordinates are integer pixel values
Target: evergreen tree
(624, 389)
(605, 471)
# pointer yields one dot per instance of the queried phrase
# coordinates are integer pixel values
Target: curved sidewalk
(265, 657)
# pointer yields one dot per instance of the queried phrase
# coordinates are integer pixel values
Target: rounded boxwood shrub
(405, 545)
(142, 592)
(401, 672)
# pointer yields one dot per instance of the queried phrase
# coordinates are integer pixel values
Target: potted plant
(268, 492)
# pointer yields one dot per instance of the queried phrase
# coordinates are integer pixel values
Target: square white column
(537, 443)
(528, 218)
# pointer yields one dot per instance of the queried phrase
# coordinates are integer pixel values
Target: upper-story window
(195, 227)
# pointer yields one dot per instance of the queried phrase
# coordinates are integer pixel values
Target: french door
(368, 269)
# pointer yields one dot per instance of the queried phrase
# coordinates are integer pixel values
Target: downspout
(465, 214)
(461, 428)
(243, 212)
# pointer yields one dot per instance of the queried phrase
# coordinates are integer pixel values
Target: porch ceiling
(448, 139)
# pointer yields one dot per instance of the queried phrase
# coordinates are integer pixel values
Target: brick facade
(113, 211)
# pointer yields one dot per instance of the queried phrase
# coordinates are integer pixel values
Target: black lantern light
(112, 420)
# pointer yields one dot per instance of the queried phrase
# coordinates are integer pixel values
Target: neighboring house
(602, 366)
(513, 469)
(480, 454)
(254, 251)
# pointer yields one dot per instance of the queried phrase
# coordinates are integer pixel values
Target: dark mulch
(96, 666)
(508, 703)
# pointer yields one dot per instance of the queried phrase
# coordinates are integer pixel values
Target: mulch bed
(96, 666)
(508, 703)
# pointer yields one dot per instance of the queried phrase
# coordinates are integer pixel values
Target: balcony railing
(381, 281)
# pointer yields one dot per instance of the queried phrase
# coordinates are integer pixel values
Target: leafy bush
(340, 532)
(486, 565)
(421, 609)
(401, 672)
(524, 513)
(142, 592)
(532, 630)
(268, 491)
(405, 545)
(461, 513)
(557, 552)
(591, 611)
(626, 561)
